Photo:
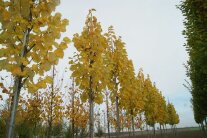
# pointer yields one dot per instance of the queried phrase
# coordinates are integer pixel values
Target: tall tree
(151, 109)
(76, 111)
(131, 98)
(88, 69)
(195, 22)
(52, 105)
(116, 62)
(28, 43)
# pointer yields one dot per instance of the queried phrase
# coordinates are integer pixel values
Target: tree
(76, 111)
(150, 110)
(162, 110)
(173, 117)
(195, 23)
(34, 106)
(88, 68)
(52, 105)
(116, 60)
(28, 43)
(131, 98)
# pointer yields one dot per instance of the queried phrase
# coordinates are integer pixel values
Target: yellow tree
(162, 110)
(34, 106)
(28, 43)
(151, 106)
(88, 68)
(76, 111)
(116, 60)
(173, 117)
(52, 105)
(131, 98)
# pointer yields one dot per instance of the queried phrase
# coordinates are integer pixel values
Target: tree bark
(73, 96)
(91, 120)
(203, 129)
(51, 104)
(17, 88)
(117, 109)
(147, 130)
(132, 123)
(107, 114)
(205, 124)
(154, 129)
(117, 116)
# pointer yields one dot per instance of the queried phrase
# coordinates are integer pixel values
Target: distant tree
(52, 105)
(173, 117)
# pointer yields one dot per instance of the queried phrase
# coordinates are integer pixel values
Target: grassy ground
(180, 133)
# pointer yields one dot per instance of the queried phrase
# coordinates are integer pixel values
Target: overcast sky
(152, 31)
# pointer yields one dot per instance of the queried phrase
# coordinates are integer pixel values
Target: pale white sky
(152, 31)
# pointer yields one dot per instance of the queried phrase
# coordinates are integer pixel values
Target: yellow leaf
(59, 53)
(48, 79)
(34, 67)
(66, 40)
(16, 70)
(63, 45)
(6, 15)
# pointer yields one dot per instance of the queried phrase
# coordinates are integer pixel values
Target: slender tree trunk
(35, 130)
(154, 129)
(117, 116)
(165, 128)
(175, 130)
(51, 104)
(205, 124)
(147, 130)
(161, 130)
(49, 129)
(17, 88)
(164, 131)
(203, 129)
(129, 132)
(132, 123)
(117, 109)
(107, 114)
(91, 121)
(73, 96)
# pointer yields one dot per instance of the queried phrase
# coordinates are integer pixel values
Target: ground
(180, 133)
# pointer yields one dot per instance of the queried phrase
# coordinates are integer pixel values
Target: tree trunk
(117, 116)
(161, 130)
(154, 129)
(107, 114)
(51, 104)
(205, 124)
(203, 129)
(35, 130)
(129, 132)
(147, 130)
(91, 121)
(117, 109)
(165, 128)
(132, 123)
(17, 89)
(49, 129)
(73, 96)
